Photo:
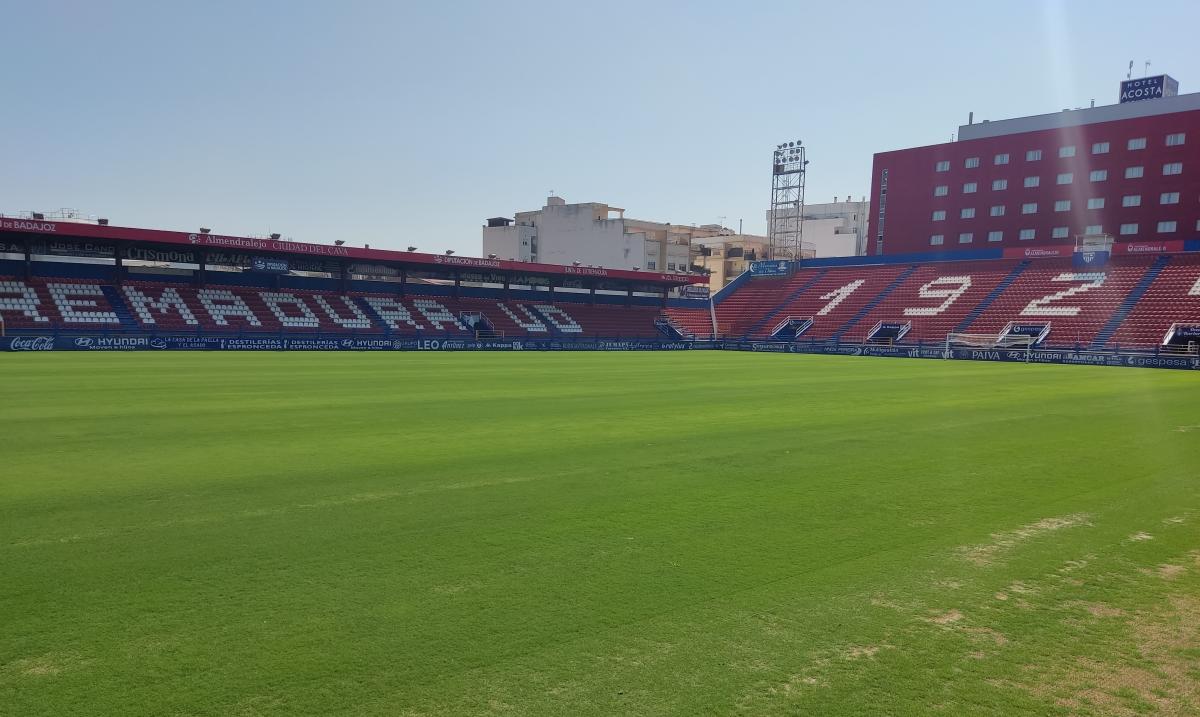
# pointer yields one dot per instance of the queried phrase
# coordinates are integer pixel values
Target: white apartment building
(594, 234)
(837, 228)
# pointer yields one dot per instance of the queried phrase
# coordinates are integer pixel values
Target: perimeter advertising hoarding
(775, 267)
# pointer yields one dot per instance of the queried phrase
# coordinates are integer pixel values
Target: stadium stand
(153, 306)
(1173, 297)
(1129, 303)
(696, 323)
(935, 299)
(1076, 303)
(833, 299)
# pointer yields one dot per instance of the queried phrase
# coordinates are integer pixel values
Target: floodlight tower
(786, 228)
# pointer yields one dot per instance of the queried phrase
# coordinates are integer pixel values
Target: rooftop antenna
(1129, 75)
(1146, 70)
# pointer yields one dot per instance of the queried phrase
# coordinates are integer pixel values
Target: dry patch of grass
(48, 665)
(945, 618)
(1163, 677)
(985, 553)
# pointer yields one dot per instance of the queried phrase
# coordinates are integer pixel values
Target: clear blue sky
(409, 123)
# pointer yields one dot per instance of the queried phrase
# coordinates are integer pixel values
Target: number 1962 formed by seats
(1128, 302)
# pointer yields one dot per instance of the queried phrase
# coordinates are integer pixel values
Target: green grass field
(595, 534)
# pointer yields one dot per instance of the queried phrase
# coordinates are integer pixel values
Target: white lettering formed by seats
(561, 319)
(393, 312)
(75, 310)
(934, 290)
(532, 325)
(1039, 307)
(26, 300)
(359, 321)
(437, 314)
(839, 295)
(276, 301)
(1195, 288)
(220, 303)
(167, 300)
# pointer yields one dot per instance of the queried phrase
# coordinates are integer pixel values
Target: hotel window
(1133, 172)
(1027, 234)
(995, 236)
(1059, 233)
(941, 190)
(999, 185)
(939, 215)
(1136, 143)
(1166, 227)
(1127, 229)
(1096, 203)
(1062, 205)
(998, 210)
(1100, 148)
(971, 163)
(1032, 181)
(1093, 230)
(970, 188)
(1068, 151)
(942, 166)
(1174, 140)
(1033, 155)
(1173, 168)
(1030, 208)
(1003, 158)
(967, 213)
(1131, 200)
(937, 239)
(1169, 198)
(1098, 175)
(1065, 178)
(966, 238)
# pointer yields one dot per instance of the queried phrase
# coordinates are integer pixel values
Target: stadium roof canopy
(84, 239)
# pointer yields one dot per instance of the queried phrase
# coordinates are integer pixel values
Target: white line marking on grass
(333, 502)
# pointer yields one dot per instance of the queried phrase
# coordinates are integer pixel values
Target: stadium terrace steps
(697, 322)
(1130, 301)
(991, 297)
(119, 307)
(754, 298)
(1173, 297)
(874, 302)
(758, 327)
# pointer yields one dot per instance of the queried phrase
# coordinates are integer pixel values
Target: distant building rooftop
(1085, 116)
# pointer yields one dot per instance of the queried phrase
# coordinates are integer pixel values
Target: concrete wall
(829, 238)
(836, 228)
(510, 242)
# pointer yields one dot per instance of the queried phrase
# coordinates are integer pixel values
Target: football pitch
(690, 533)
